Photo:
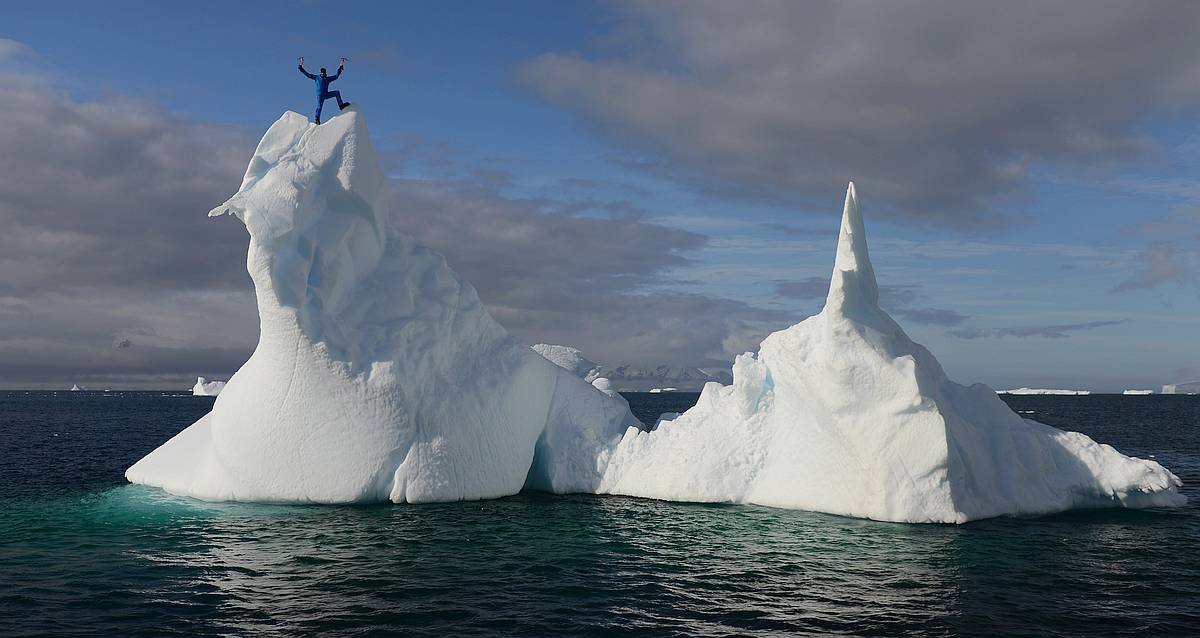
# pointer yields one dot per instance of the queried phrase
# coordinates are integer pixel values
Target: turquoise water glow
(83, 554)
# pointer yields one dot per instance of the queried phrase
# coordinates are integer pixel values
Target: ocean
(84, 554)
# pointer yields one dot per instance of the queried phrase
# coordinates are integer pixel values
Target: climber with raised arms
(323, 93)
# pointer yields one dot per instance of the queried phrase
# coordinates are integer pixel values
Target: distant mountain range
(631, 378)
(634, 378)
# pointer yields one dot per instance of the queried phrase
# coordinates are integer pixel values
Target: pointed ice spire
(853, 280)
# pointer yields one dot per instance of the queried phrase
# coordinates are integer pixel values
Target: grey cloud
(111, 273)
(933, 316)
(1172, 254)
(897, 300)
(938, 108)
(808, 288)
(802, 231)
(1052, 331)
(576, 280)
(102, 194)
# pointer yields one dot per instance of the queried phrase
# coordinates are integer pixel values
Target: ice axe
(343, 61)
(300, 60)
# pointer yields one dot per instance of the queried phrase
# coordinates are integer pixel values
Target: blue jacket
(322, 82)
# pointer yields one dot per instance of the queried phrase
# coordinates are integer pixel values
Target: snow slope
(569, 359)
(843, 413)
(206, 388)
(378, 374)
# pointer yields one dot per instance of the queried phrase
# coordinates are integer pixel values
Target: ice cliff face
(378, 374)
(843, 413)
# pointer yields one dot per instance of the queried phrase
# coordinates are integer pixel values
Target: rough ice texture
(378, 374)
(206, 388)
(843, 413)
(569, 359)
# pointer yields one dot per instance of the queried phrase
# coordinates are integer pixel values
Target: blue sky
(518, 98)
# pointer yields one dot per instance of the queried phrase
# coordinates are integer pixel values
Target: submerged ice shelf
(379, 375)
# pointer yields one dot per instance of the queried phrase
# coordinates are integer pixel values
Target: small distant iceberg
(1045, 391)
(1137, 392)
(661, 390)
(1185, 387)
(78, 388)
(206, 388)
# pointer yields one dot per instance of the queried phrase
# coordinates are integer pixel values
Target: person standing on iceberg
(323, 93)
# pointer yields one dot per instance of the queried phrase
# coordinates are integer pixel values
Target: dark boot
(343, 105)
(318, 121)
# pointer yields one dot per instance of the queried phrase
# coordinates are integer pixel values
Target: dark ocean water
(82, 553)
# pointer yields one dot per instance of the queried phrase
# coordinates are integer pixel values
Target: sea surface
(84, 554)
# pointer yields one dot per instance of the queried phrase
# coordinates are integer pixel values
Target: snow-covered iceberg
(378, 373)
(843, 413)
(569, 359)
(206, 388)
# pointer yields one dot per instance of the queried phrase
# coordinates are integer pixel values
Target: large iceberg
(843, 413)
(378, 374)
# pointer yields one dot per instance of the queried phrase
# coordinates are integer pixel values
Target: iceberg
(843, 413)
(1046, 391)
(1137, 392)
(1185, 387)
(378, 374)
(569, 359)
(206, 388)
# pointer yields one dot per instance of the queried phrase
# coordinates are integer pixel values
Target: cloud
(1174, 257)
(802, 231)
(580, 281)
(111, 272)
(106, 240)
(1052, 331)
(12, 49)
(938, 107)
(809, 288)
(898, 300)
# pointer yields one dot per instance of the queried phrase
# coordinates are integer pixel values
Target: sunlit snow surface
(378, 374)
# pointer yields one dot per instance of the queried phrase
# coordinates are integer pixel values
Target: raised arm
(306, 73)
(336, 75)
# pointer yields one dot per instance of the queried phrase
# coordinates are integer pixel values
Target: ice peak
(853, 281)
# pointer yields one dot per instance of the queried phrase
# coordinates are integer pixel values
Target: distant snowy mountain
(1045, 391)
(633, 378)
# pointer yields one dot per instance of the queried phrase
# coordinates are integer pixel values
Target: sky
(651, 182)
